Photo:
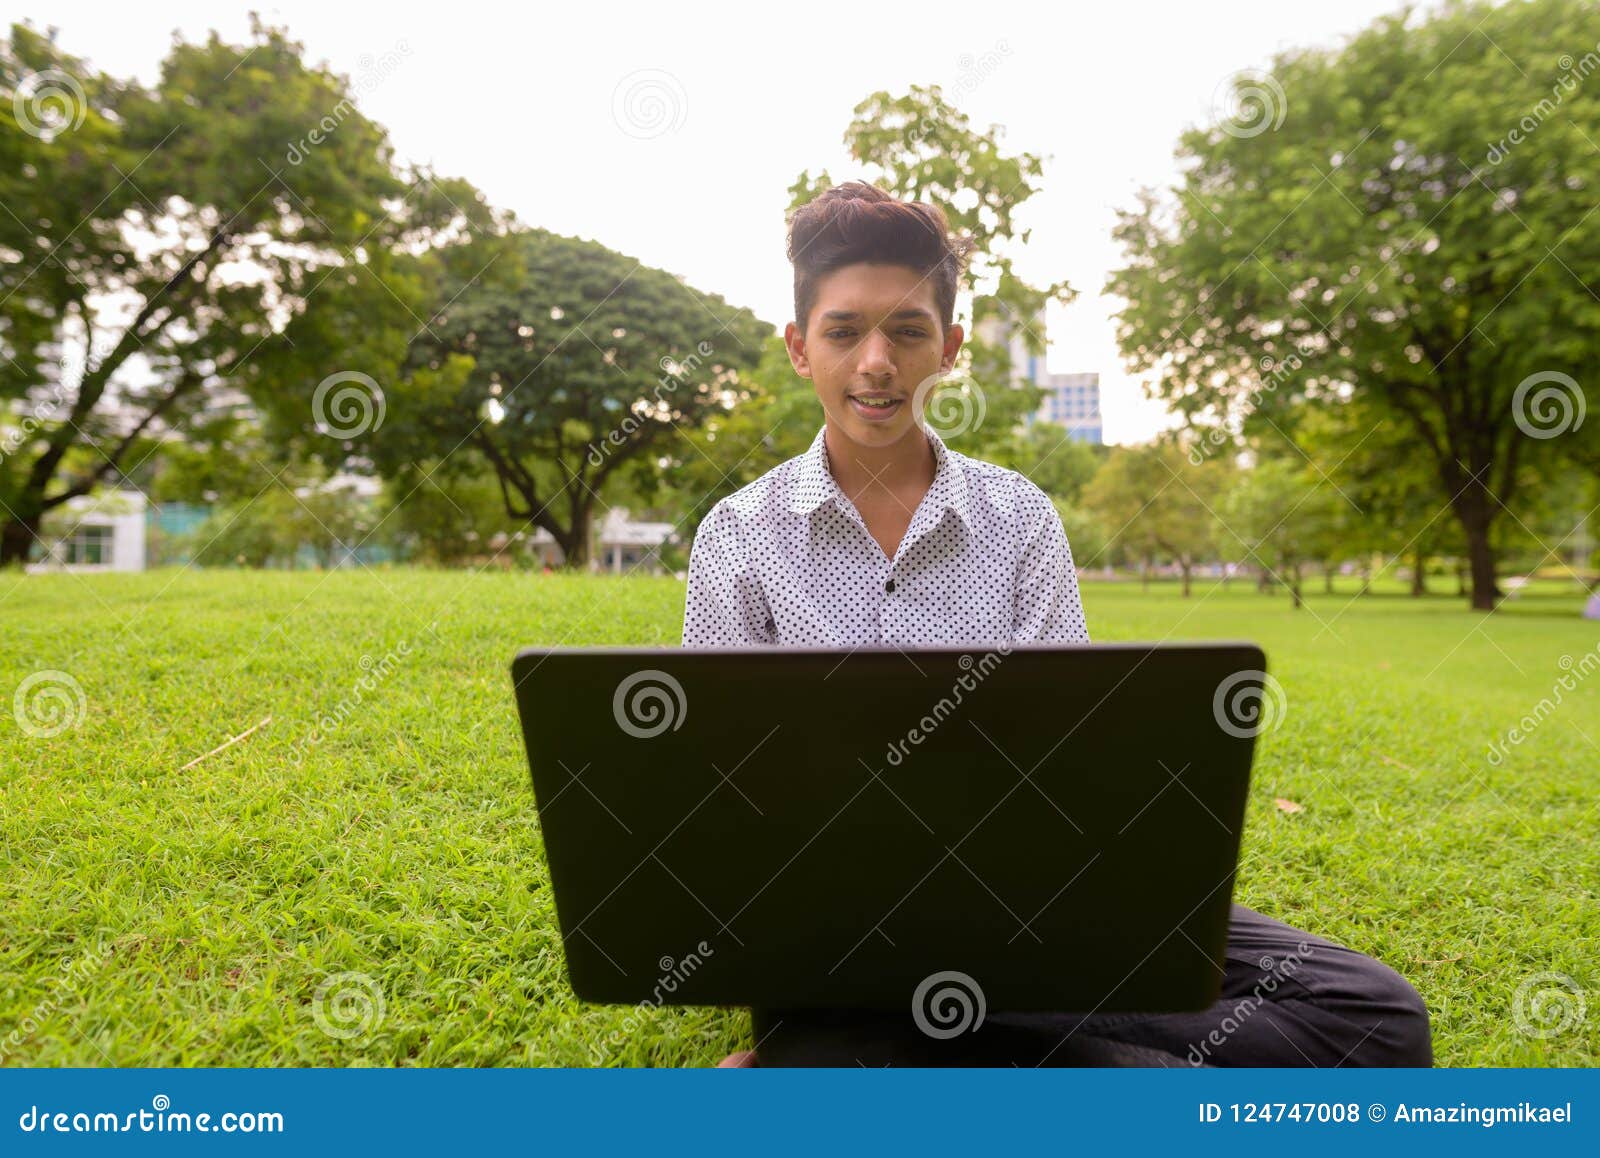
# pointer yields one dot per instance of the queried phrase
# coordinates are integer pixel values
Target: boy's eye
(908, 331)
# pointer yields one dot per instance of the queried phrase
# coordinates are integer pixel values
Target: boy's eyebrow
(854, 315)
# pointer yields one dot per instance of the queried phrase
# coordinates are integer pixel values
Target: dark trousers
(1288, 999)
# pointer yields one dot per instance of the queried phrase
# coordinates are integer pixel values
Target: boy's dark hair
(857, 222)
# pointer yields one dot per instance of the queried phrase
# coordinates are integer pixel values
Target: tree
(443, 514)
(773, 417)
(1158, 505)
(172, 231)
(1383, 227)
(920, 147)
(1276, 513)
(563, 365)
(1059, 465)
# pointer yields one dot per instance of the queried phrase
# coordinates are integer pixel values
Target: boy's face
(874, 335)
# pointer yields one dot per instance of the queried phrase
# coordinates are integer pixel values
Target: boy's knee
(1401, 1033)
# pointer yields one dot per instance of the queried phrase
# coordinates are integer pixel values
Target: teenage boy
(881, 534)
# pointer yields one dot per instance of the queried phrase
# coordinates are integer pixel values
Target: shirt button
(889, 586)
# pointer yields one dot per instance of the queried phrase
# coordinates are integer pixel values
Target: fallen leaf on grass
(1287, 805)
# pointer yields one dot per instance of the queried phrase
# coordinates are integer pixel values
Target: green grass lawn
(152, 914)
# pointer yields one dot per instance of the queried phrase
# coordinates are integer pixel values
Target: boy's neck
(905, 466)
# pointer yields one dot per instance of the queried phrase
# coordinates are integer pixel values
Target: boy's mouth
(875, 407)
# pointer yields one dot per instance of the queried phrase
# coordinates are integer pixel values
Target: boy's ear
(795, 342)
(953, 337)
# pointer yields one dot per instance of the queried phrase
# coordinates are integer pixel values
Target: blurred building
(1071, 400)
(95, 532)
(621, 545)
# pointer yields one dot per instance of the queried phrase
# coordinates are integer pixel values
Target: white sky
(520, 101)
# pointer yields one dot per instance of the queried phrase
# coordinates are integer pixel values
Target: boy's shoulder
(990, 487)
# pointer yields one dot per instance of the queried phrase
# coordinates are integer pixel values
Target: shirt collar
(813, 483)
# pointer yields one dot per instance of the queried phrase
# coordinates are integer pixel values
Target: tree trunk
(574, 544)
(1294, 587)
(16, 539)
(1474, 514)
(1480, 561)
(1186, 567)
(1474, 507)
(1144, 575)
(1419, 574)
(1327, 578)
(1263, 580)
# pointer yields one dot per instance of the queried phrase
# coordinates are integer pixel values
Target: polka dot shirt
(788, 560)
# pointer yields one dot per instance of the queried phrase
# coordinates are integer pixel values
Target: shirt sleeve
(725, 605)
(1045, 595)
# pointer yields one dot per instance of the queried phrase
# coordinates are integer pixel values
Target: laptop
(1055, 826)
